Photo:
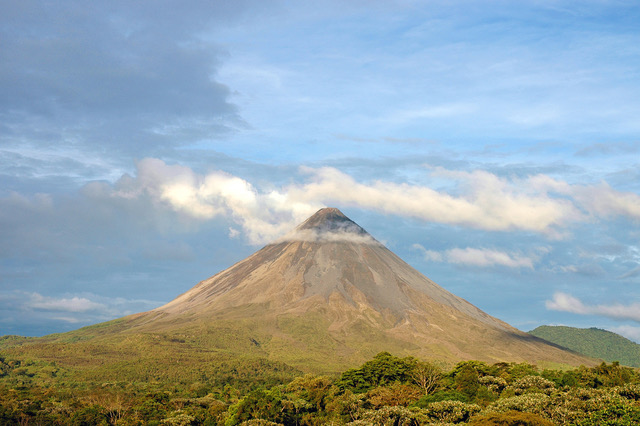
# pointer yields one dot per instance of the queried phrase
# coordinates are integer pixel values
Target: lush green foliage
(386, 390)
(592, 342)
(382, 370)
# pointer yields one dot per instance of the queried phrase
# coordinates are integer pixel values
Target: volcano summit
(328, 295)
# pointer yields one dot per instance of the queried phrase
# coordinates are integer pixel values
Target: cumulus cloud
(566, 303)
(481, 257)
(480, 200)
(263, 216)
(477, 199)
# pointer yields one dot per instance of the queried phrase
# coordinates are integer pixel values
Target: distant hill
(592, 342)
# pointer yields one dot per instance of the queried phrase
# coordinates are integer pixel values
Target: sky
(493, 145)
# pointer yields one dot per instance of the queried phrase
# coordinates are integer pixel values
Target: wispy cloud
(73, 304)
(344, 235)
(73, 309)
(610, 148)
(603, 201)
(488, 257)
(566, 303)
(481, 257)
(630, 274)
(407, 141)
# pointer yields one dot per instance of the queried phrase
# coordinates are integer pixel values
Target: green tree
(266, 405)
(89, 416)
(382, 370)
(467, 381)
(617, 413)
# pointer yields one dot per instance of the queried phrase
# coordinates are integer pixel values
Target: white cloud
(488, 257)
(478, 257)
(429, 255)
(481, 200)
(263, 216)
(73, 304)
(476, 199)
(603, 201)
(567, 303)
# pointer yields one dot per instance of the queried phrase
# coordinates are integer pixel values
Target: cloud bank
(477, 199)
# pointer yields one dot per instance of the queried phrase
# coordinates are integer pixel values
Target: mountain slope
(592, 342)
(326, 297)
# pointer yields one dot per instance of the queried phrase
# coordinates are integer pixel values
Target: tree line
(386, 390)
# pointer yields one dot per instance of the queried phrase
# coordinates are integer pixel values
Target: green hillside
(592, 342)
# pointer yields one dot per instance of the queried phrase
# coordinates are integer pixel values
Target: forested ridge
(386, 390)
(592, 342)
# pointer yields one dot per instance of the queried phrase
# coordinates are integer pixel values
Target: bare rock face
(329, 290)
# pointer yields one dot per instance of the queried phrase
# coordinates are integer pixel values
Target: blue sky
(493, 145)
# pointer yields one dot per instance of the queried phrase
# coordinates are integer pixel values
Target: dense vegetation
(592, 342)
(386, 390)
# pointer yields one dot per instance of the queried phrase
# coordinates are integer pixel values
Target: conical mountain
(328, 296)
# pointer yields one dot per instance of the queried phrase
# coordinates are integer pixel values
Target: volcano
(328, 296)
